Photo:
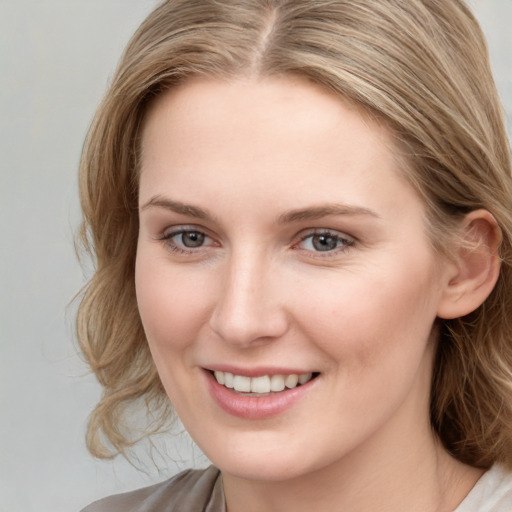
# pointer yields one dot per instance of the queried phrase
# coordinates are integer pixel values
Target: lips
(261, 396)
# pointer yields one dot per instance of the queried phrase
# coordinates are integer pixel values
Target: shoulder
(492, 493)
(189, 490)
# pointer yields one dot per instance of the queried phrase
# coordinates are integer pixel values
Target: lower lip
(252, 407)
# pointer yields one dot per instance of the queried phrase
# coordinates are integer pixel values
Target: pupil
(324, 242)
(192, 239)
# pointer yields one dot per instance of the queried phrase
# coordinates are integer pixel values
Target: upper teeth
(263, 384)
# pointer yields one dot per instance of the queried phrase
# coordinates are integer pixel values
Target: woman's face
(279, 242)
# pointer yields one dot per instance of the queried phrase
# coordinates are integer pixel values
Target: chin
(261, 469)
(266, 457)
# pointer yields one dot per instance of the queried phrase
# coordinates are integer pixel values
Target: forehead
(286, 136)
(287, 106)
(205, 101)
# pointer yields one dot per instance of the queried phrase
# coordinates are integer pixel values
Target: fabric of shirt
(492, 493)
(189, 491)
(202, 491)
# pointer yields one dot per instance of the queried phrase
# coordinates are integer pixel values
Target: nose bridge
(247, 308)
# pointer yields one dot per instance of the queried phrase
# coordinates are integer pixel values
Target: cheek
(172, 305)
(371, 317)
(375, 339)
(172, 309)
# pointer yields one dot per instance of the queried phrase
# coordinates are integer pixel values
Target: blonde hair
(420, 66)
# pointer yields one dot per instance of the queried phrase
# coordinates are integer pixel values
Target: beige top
(189, 491)
(201, 491)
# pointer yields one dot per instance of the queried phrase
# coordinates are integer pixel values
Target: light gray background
(56, 57)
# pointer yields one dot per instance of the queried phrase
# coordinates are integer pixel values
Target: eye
(325, 241)
(190, 238)
(185, 240)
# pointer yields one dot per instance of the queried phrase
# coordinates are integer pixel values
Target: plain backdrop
(56, 58)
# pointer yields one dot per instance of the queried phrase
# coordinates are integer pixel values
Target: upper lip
(256, 371)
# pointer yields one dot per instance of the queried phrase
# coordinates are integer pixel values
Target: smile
(262, 384)
(262, 396)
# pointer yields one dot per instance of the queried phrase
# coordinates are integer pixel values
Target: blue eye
(185, 240)
(190, 239)
(325, 241)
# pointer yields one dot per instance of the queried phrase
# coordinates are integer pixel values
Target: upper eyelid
(320, 231)
(183, 228)
(169, 233)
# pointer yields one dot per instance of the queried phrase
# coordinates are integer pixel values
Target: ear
(473, 271)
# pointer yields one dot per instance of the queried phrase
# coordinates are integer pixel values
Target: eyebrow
(317, 212)
(178, 207)
(310, 213)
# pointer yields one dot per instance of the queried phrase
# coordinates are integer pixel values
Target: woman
(300, 213)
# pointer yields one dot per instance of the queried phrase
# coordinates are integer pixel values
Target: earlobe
(475, 268)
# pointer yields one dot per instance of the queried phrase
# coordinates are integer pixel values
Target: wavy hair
(419, 66)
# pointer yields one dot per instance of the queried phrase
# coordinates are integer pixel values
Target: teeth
(263, 384)
(277, 383)
(260, 384)
(303, 378)
(291, 380)
(228, 380)
(242, 384)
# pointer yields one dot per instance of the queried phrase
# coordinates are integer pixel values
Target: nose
(248, 310)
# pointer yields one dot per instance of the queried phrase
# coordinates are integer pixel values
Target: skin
(258, 294)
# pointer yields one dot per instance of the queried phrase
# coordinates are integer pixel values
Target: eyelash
(345, 241)
(170, 244)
